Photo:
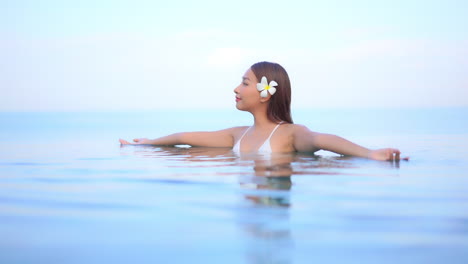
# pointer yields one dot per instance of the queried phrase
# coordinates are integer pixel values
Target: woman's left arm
(306, 140)
(345, 147)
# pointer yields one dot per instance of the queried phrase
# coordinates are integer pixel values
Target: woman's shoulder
(237, 130)
(295, 127)
(297, 131)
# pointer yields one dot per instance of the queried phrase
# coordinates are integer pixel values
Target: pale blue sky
(141, 55)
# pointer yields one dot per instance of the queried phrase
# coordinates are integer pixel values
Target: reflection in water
(271, 178)
(265, 183)
(266, 223)
(269, 198)
(180, 153)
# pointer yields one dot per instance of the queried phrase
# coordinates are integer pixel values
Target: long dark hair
(279, 106)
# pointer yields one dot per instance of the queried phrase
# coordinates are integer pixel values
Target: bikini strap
(245, 132)
(271, 134)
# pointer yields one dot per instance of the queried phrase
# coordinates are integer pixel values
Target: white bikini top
(265, 148)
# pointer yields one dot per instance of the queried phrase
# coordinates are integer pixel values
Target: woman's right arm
(220, 138)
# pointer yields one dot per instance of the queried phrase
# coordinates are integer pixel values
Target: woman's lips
(237, 99)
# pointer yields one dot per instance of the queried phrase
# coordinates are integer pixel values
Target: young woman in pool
(265, 92)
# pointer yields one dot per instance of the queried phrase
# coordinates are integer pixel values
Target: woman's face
(247, 95)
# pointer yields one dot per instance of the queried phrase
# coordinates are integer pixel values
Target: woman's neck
(261, 120)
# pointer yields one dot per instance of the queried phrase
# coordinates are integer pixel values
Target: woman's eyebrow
(245, 78)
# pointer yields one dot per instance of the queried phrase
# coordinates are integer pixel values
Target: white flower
(264, 87)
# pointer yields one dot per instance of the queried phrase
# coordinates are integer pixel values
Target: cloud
(146, 71)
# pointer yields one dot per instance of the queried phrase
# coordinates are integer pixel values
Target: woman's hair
(279, 106)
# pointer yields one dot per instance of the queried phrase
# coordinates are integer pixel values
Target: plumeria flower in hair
(264, 87)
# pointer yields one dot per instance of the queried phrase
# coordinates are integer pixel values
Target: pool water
(69, 193)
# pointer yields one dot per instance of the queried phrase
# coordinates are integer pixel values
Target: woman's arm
(345, 147)
(221, 138)
(306, 140)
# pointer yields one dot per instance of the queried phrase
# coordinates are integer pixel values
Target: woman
(265, 92)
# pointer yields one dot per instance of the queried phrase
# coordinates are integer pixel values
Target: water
(70, 194)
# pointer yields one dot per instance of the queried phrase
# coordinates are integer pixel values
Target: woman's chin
(240, 107)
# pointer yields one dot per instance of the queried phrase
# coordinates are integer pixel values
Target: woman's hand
(138, 141)
(386, 154)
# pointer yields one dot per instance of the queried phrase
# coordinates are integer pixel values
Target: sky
(115, 55)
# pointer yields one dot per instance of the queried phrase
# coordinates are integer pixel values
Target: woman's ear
(265, 99)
